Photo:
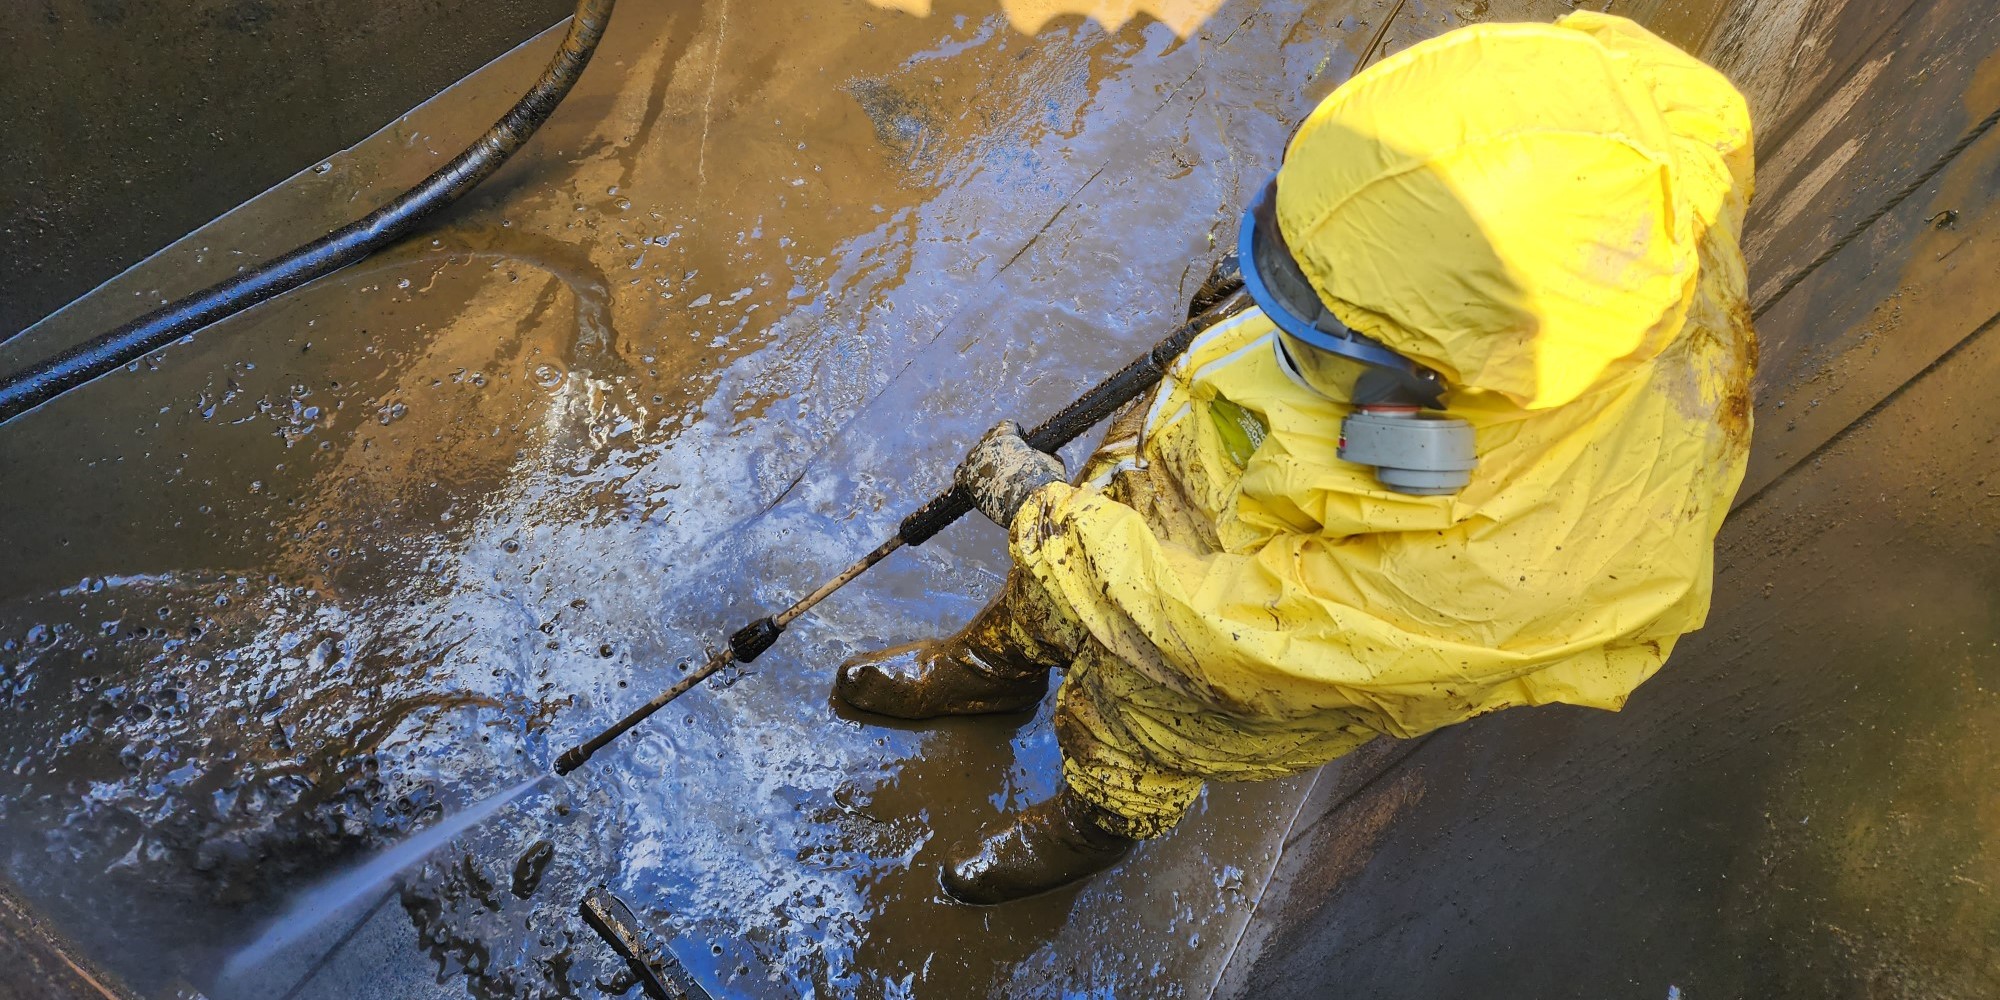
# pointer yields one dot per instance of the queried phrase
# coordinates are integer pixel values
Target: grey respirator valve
(1412, 451)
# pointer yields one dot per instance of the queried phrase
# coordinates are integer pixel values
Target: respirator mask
(1398, 426)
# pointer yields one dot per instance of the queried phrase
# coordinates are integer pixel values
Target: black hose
(27, 389)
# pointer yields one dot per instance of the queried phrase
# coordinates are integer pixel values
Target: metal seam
(1964, 141)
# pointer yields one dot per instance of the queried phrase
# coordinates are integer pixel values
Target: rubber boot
(1046, 846)
(999, 662)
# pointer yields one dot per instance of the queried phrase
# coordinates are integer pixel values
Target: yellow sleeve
(1251, 632)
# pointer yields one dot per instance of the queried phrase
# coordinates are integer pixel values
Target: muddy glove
(1003, 469)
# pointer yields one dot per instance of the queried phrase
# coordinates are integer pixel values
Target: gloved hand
(1003, 469)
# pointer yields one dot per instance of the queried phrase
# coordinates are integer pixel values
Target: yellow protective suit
(1546, 214)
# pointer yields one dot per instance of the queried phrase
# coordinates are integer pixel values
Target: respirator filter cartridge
(1412, 451)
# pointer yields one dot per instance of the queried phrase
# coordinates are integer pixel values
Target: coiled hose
(27, 389)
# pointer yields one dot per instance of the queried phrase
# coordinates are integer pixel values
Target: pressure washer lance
(750, 641)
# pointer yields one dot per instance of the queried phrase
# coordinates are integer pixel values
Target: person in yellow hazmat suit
(1466, 447)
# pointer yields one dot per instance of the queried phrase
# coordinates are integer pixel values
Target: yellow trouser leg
(1140, 738)
(1105, 762)
(1022, 630)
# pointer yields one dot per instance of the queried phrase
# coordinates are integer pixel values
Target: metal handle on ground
(655, 969)
(1092, 407)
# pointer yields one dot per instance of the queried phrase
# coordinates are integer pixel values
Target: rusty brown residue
(1734, 415)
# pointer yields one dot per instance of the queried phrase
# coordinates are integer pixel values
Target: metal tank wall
(129, 123)
(1801, 804)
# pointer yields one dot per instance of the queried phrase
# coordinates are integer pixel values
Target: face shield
(1397, 426)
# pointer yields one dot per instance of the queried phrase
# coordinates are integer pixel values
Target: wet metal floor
(357, 558)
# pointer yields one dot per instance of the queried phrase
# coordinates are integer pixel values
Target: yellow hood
(1516, 205)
